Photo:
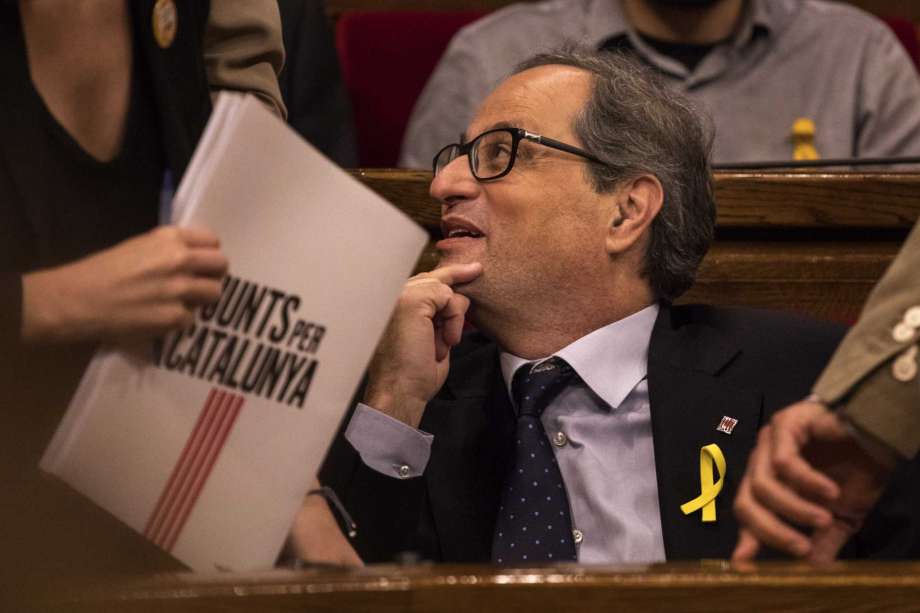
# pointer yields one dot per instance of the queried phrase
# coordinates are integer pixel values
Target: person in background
(311, 82)
(782, 79)
(104, 102)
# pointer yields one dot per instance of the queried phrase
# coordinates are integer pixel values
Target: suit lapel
(473, 425)
(688, 400)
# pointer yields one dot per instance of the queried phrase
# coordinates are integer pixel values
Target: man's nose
(455, 183)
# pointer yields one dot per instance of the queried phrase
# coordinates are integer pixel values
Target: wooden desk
(712, 587)
(809, 242)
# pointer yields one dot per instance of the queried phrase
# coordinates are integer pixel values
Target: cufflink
(165, 22)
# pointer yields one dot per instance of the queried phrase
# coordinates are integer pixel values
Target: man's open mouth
(461, 233)
(456, 227)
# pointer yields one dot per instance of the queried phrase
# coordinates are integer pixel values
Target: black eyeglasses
(492, 153)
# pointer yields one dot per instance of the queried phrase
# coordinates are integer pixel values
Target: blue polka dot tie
(533, 519)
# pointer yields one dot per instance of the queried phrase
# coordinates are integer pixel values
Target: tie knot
(536, 384)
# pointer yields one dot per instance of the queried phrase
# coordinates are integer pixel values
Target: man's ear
(637, 202)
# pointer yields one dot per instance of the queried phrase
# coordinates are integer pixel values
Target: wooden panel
(818, 200)
(710, 586)
(827, 280)
(744, 200)
(407, 189)
(896, 8)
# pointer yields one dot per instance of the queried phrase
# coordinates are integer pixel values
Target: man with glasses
(571, 425)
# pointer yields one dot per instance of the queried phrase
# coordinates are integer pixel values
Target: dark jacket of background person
(311, 82)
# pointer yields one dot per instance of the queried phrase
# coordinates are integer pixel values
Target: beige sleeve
(243, 49)
(860, 377)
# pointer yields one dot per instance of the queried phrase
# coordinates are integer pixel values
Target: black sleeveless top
(58, 204)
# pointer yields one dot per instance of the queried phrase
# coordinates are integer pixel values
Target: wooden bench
(713, 587)
(808, 242)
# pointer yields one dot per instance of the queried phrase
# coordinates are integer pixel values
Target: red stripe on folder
(161, 511)
(207, 465)
(193, 467)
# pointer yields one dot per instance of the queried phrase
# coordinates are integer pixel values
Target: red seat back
(386, 58)
(906, 32)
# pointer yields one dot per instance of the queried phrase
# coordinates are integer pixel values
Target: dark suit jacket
(311, 82)
(704, 363)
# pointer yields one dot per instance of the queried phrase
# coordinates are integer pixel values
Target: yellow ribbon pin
(803, 140)
(708, 490)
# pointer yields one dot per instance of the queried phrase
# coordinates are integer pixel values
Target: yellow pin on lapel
(708, 489)
(165, 21)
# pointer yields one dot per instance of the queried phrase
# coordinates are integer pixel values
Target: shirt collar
(606, 20)
(611, 360)
(760, 16)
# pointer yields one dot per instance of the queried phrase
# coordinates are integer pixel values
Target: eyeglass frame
(517, 135)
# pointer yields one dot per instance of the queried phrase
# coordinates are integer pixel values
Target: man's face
(538, 231)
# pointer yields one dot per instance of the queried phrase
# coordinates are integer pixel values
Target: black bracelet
(351, 528)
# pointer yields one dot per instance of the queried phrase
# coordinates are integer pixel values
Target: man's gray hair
(637, 125)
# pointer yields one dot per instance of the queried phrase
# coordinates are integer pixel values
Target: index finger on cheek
(457, 273)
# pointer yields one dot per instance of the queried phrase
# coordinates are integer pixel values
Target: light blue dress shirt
(602, 436)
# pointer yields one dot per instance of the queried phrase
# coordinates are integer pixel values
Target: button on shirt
(601, 433)
(788, 59)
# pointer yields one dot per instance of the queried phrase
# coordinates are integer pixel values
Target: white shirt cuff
(387, 445)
